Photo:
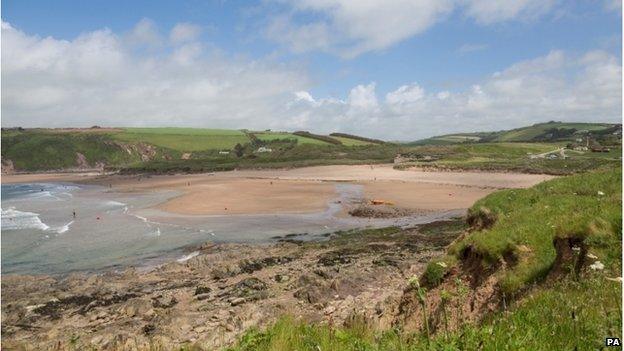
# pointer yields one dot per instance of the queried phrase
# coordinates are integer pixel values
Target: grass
(528, 133)
(542, 321)
(586, 206)
(184, 139)
(284, 155)
(510, 157)
(32, 151)
(269, 136)
(535, 132)
(351, 142)
(568, 313)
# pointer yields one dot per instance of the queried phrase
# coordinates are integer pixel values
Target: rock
(237, 301)
(137, 307)
(250, 288)
(280, 278)
(202, 290)
(148, 329)
(202, 297)
(337, 257)
(250, 266)
(81, 161)
(164, 302)
(200, 329)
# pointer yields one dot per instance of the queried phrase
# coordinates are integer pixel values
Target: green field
(269, 136)
(184, 139)
(351, 142)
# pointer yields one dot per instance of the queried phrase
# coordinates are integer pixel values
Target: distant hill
(40, 149)
(541, 132)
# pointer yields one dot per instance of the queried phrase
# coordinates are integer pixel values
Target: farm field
(184, 139)
(269, 136)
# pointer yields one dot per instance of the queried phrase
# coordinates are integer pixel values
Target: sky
(391, 69)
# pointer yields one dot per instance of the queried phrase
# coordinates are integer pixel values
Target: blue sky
(322, 65)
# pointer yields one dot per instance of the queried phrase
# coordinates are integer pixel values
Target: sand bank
(303, 190)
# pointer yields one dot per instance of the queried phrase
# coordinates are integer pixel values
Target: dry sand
(305, 189)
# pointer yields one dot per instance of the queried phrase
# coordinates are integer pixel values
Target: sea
(60, 228)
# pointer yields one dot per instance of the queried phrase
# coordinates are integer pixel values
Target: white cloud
(184, 32)
(100, 78)
(488, 11)
(363, 97)
(351, 27)
(555, 86)
(145, 33)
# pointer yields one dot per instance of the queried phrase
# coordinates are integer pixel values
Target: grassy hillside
(547, 296)
(170, 149)
(519, 157)
(270, 136)
(189, 149)
(184, 139)
(551, 131)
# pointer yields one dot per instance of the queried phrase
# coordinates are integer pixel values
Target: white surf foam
(13, 219)
(64, 228)
(188, 257)
(115, 203)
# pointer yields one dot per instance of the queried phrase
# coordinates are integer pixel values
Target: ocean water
(114, 230)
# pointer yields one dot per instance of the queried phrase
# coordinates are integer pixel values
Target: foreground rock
(214, 297)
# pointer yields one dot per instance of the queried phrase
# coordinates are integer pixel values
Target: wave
(188, 257)
(64, 228)
(13, 219)
(115, 203)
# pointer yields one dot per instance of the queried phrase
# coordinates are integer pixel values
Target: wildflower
(597, 266)
(442, 264)
(413, 282)
(576, 249)
(600, 193)
(593, 257)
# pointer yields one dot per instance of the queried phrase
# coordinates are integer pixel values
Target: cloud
(145, 33)
(468, 48)
(184, 32)
(349, 28)
(101, 78)
(556, 86)
(613, 5)
(489, 12)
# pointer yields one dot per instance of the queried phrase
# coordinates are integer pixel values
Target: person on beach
(74, 213)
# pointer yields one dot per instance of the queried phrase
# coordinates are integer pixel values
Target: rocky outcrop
(81, 161)
(209, 300)
(7, 166)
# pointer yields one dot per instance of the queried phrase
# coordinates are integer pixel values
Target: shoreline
(301, 190)
(217, 294)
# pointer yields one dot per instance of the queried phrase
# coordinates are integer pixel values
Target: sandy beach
(302, 190)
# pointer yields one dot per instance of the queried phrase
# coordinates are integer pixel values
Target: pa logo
(613, 342)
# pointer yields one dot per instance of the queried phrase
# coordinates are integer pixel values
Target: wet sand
(304, 190)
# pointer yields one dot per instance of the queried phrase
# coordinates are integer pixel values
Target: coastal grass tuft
(586, 206)
(568, 315)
